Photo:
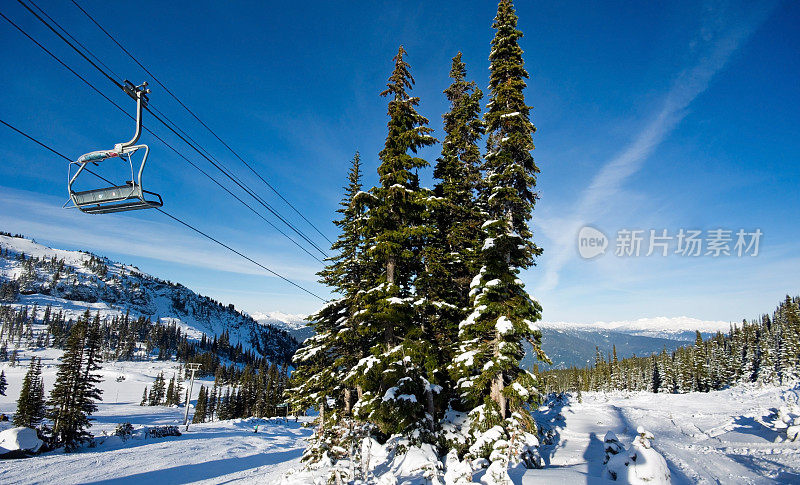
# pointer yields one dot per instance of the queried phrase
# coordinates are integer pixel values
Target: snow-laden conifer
(394, 376)
(503, 315)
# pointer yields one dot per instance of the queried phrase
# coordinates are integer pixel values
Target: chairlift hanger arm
(139, 94)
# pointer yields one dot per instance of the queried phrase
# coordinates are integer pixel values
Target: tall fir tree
(450, 250)
(3, 383)
(75, 392)
(334, 348)
(202, 406)
(394, 378)
(655, 375)
(158, 391)
(171, 393)
(31, 402)
(503, 314)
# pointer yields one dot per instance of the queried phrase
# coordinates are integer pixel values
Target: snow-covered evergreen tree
(335, 347)
(158, 391)
(700, 365)
(655, 375)
(394, 377)
(75, 392)
(202, 406)
(503, 315)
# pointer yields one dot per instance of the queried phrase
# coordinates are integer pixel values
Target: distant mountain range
(573, 344)
(295, 325)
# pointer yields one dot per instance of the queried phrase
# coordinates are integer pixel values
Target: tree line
(253, 385)
(122, 337)
(765, 350)
(238, 392)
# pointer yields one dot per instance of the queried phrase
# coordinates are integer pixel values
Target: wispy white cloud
(41, 216)
(721, 40)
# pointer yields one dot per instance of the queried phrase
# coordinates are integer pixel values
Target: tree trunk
(348, 401)
(391, 263)
(431, 411)
(497, 394)
(498, 384)
(322, 415)
(388, 331)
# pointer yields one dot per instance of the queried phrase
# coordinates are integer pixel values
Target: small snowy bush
(639, 464)
(457, 472)
(20, 439)
(612, 446)
(124, 430)
(163, 431)
(788, 421)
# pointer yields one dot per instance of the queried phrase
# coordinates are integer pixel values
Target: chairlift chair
(117, 198)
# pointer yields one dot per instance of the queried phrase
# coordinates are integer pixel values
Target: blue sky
(649, 116)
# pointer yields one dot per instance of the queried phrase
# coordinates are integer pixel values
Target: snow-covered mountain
(296, 325)
(659, 327)
(571, 343)
(72, 281)
(568, 343)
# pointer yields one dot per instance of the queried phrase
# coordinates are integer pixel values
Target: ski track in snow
(706, 438)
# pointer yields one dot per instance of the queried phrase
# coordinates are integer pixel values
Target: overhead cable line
(174, 218)
(215, 164)
(51, 19)
(219, 166)
(175, 97)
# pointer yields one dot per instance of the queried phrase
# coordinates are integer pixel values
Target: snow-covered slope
(74, 281)
(216, 452)
(718, 437)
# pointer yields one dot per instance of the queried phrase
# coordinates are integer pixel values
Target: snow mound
(23, 439)
(640, 464)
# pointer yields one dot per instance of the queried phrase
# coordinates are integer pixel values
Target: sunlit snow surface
(718, 437)
(219, 452)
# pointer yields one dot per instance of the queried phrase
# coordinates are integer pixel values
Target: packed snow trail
(716, 437)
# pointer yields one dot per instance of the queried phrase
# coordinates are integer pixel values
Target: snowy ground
(219, 452)
(720, 437)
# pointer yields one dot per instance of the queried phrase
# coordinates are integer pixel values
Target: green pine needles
(431, 316)
(75, 393)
